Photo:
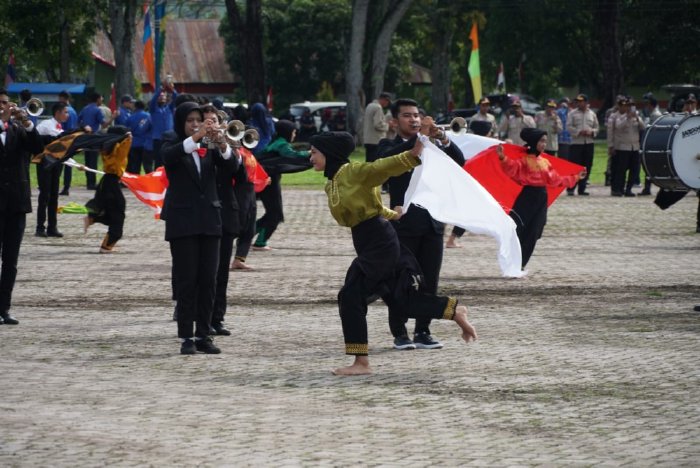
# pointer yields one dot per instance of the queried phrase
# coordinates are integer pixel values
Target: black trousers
(271, 198)
(48, 179)
(385, 268)
(109, 207)
(157, 158)
(140, 157)
(67, 177)
(222, 274)
(583, 155)
(625, 170)
(428, 249)
(247, 212)
(195, 263)
(530, 215)
(564, 150)
(91, 162)
(12, 226)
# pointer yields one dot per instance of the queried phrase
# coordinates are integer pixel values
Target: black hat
(336, 147)
(127, 98)
(531, 136)
(582, 97)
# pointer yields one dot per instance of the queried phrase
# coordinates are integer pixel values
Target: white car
(319, 110)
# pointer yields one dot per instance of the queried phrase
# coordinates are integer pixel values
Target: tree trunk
(64, 65)
(440, 92)
(380, 54)
(607, 14)
(122, 17)
(354, 75)
(250, 39)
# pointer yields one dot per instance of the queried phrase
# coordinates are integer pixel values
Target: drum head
(685, 151)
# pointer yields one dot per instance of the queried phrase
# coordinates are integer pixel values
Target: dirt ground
(592, 359)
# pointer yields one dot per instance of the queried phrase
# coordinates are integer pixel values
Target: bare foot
(452, 243)
(239, 265)
(359, 367)
(468, 330)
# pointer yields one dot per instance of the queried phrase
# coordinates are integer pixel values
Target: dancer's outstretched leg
(468, 330)
(359, 367)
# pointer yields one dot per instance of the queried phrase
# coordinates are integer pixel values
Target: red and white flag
(113, 99)
(149, 188)
(501, 80)
(270, 103)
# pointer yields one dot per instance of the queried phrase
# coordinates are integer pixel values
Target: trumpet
(458, 126)
(34, 108)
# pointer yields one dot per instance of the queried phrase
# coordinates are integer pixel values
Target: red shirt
(536, 171)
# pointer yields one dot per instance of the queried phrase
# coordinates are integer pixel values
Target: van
(322, 112)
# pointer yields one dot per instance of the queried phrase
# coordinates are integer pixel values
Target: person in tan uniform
(483, 115)
(513, 124)
(583, 126)
(375, 125)
(549, 121)
(625, 125)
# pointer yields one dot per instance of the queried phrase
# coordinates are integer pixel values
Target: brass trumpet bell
(35, 107)
(235, 130)
(251, 138)
(458, 126)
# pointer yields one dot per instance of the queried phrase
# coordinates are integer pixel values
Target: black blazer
(15, 154)
(417, 220)
(229, 204)
(191, 206)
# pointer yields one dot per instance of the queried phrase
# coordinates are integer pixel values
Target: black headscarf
(285, 128)
(336, 147)
(531, 136)
(181, 113)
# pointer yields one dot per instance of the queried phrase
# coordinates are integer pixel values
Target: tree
(354, 75)
(122, 21)
(247, 28)
(607, 15)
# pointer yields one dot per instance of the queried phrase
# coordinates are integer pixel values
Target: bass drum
(671, 152)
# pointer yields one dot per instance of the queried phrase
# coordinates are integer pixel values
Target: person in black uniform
(18, 141)
(416, 229)
(192, 214)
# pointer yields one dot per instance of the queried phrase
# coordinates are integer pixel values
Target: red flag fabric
(149, 61)
(485, 167)
(149, 188)
(10, 74)
(256, 173)
(113, 99)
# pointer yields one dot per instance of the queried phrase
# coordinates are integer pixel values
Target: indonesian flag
(501, 80)
(149, 188)
(453, 196)
(485, 167)
(270, 102)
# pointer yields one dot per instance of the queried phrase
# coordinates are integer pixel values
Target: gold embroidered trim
(404, 158)
(358, 349)
(449, 312)
(334, 194)
(535, 163)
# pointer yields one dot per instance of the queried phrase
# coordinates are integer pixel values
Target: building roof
(47, 88)
(194, 52)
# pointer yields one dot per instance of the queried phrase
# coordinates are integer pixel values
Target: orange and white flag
(149, 188)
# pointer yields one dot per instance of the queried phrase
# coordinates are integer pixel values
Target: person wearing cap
(610, 116)
(375, 125)
(535, 174)
(125, 110)
(583, 126)
(549, 121)
(271, 196)
(564, 137)
(625, 126)
(513, 123)
(691, 104)
(383, 267)
(417, 230)
(483, 115)
(650, 114)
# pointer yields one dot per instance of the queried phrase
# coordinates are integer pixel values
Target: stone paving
(591, 360)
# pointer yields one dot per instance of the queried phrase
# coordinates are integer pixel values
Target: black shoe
(571, 194)
(696, 308)
(403, 343)
(615, 194)
(423, 340)
(64, 192)
(2, 320)
(630, 194)
(219, 329)
(40, 232)
(7, 319)
(644, 193)
(211, 331)
(188, 347)
(206, 346)
(53, 233)
(584, 194)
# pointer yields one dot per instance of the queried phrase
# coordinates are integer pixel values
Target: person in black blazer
(416, 229)
(18, 141)
(192, 214)
(230, 228)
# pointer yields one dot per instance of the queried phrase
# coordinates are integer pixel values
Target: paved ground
(590, 360)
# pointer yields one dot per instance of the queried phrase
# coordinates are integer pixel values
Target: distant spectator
(162, 108)
(262, 122)
(549, 121)
(564, 136)
(125, 110)
(68, 126)
(307, 126)
(583, 126)
(514, 122)
(375, 125)
(141, 152)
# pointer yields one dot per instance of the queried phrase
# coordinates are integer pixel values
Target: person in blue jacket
(141, 153)
(162, 108)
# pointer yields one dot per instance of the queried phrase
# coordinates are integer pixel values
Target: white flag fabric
(454, 197)
(471, 144)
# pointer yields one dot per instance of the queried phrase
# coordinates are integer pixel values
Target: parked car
(322, 112)
(500, 103)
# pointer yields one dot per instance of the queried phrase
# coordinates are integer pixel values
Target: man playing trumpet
(18, 140)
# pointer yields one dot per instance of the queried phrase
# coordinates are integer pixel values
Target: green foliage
(325, 93)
